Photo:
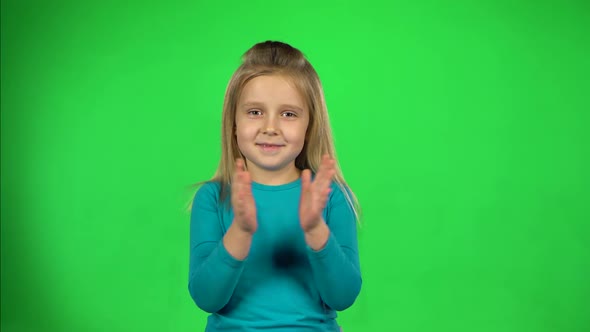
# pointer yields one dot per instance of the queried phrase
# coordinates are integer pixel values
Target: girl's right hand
(242, 199)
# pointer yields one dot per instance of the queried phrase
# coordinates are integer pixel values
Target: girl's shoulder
(340, 187)
(207, 192)
(339, 191)
(210, 185)
(209, 196)
(342, 199)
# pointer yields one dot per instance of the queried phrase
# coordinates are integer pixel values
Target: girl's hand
(314, 195)
(242, 200)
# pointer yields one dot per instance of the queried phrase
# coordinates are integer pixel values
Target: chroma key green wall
(462, 126)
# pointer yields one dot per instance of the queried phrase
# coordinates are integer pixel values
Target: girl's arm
(329, 225)
(215, 263)
(335, 266)
(215, 260)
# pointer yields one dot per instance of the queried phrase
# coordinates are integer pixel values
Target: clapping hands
(314, 196)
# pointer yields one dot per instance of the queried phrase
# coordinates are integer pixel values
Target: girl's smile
(269, 148)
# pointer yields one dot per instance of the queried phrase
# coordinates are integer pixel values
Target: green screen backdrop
(462, 126)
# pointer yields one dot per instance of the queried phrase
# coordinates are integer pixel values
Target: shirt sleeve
(336, 267)
(213, 272)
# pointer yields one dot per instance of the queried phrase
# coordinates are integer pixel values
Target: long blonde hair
(277, 58)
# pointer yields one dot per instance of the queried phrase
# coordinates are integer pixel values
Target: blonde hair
(277, 58)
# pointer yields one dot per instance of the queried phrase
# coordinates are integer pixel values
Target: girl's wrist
(317, 237)
(237, 242)
(239, 226)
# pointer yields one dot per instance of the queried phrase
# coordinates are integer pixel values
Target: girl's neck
(275, 178)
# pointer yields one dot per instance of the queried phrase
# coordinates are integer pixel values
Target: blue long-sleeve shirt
(283, 285)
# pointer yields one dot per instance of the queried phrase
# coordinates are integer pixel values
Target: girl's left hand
(314, 195)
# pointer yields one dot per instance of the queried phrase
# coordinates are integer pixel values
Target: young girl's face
(271, 122)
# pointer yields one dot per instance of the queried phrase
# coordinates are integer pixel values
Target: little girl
(273, 243)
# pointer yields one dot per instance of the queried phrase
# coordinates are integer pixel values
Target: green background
(463, 128)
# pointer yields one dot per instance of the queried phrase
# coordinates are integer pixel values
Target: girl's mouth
(269, 147)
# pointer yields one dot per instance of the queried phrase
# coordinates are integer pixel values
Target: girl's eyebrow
(258, 104)
(251, 104)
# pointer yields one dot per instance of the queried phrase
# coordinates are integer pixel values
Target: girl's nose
(269, 131)
(270, 126)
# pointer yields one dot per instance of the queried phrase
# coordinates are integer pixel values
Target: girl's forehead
(271, 89)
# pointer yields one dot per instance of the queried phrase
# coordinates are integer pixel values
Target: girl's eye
(254, 112)
(289, 114)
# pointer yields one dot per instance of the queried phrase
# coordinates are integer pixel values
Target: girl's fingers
(240, 181)
(240, 165)
(246, 184)
(305, 179)
(324, 163)
(326, 172)
(236, 177)
(240, 171)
